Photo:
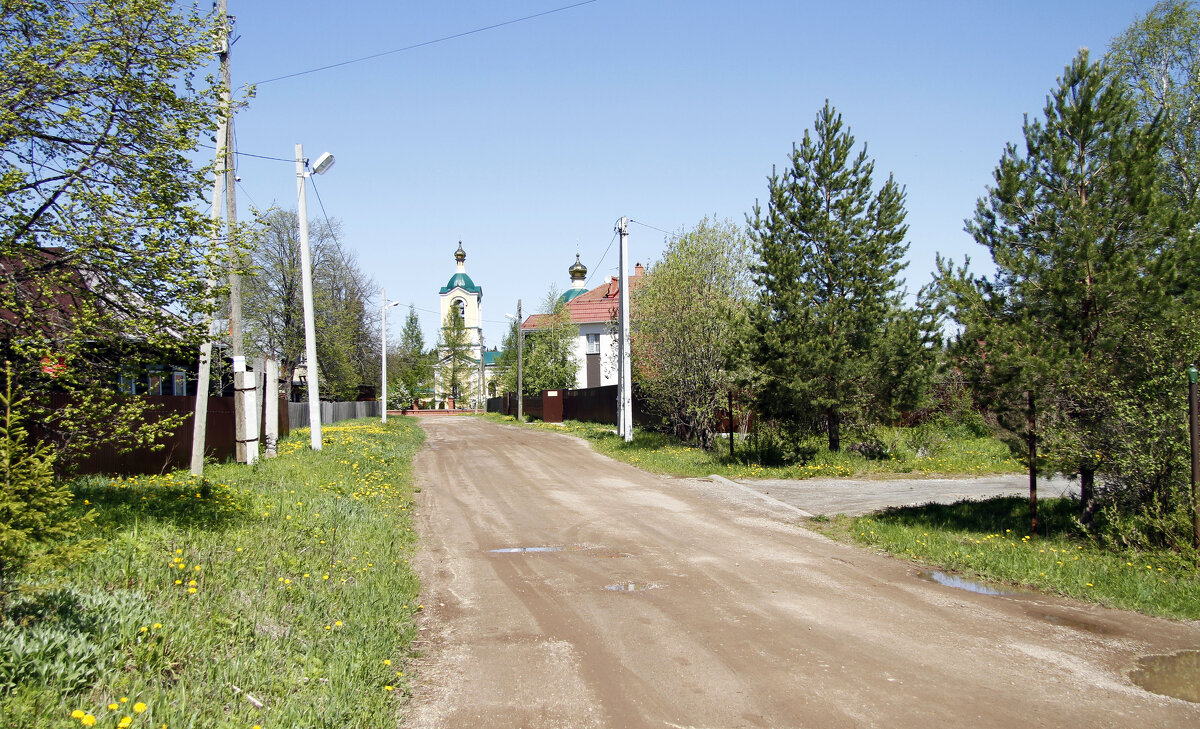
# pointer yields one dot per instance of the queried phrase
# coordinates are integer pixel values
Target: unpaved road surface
(730, 615)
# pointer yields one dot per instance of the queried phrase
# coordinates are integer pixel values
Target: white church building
(594, 311)
(463, 294)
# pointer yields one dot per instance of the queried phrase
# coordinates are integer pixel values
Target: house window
(593, 344)
(128, 385)
(180, 383)
(156, 383)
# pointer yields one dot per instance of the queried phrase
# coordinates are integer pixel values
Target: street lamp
(383, 338)
(324, 162)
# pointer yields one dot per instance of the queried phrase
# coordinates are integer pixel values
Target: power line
(606, 250)
(651, 227)
(424, 43)
(256, 156)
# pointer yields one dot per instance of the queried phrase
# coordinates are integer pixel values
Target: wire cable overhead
(422, 44)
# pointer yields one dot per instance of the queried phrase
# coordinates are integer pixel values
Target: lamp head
(323, 163)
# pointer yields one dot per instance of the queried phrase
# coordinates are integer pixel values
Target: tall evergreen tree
(830, 252)
(1084, 244)
(413, 365)
(455, 364)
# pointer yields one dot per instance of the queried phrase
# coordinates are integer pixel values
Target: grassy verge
(943, 456)
(987, 540)
(274, 596)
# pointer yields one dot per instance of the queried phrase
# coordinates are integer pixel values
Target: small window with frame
(593, 344)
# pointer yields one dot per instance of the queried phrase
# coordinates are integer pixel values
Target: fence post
(1193, 418)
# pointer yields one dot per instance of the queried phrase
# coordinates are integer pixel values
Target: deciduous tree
(690, 312)
(103, 236)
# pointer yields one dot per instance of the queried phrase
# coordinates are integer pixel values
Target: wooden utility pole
(204, 370)
(246, 436)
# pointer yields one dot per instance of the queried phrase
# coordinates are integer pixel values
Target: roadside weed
(269, 595)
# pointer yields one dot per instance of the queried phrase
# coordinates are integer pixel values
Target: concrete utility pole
(204, 370)
(520, 366)
(383, 339)
(310, 334)
(482, 401)
(625, 390)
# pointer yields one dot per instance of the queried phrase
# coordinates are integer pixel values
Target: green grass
(988, 540)
(940, 454)
(288, 581)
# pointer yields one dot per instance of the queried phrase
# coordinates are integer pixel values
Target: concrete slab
(861, 496)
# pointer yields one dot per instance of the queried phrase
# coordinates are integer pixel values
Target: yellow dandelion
(77, 714)
(88, 720)
(387, 661)
(113, 707)
(125, 722)
(139, 707)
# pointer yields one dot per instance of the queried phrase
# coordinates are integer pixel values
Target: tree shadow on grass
(182, 503)
(1056, 516)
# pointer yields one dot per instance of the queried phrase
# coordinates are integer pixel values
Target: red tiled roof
(597, 305)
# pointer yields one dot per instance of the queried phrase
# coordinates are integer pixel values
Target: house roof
(460, 281)
(593, 306)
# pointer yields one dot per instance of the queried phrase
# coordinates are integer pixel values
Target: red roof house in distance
(595, 312)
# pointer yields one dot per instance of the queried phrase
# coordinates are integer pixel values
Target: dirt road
(631, 600)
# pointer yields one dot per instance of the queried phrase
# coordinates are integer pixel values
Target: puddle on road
(1067, 621)
(959, 583)
(632, 587)
(1176, 675)
(523, 550)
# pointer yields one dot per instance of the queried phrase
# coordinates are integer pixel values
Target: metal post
(625, 406)
(1032, 437)
(1194, 421)
(310, 334)
(520, 366)
(731, 451)
(383, 354)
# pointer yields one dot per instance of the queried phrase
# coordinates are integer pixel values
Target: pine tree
(455, 361)
(1085, 246)
(413, 369)
(830, 253)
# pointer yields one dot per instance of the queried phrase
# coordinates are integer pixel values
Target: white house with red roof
(594, 311)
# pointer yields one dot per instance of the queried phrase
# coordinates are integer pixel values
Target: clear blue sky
(530, 140)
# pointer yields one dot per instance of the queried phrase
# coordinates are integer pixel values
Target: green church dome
(461, 281)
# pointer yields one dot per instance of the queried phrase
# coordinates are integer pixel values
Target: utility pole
(203, 373)
(625, 390)
(310, 334)
(482, 401)
(520, 366)
(383, 346)
(247, 449)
